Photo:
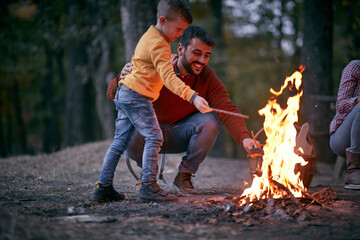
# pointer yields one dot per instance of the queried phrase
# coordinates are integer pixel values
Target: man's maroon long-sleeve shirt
(170, 108)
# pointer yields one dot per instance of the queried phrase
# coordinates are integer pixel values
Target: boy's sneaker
(151, 192)
(106, 194)
(184, 184)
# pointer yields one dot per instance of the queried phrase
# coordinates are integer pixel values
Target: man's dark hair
(169, 8)
(196, 32)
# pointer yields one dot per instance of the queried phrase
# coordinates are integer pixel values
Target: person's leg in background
(346, 142)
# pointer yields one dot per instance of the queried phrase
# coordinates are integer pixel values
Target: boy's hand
(201, 104)
(126, 70)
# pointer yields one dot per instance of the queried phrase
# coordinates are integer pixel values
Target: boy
(151, 70)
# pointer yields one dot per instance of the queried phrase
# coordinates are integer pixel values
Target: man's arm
(218, 97)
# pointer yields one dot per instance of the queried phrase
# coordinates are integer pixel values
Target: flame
(278, 159)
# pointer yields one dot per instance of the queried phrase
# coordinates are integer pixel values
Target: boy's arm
(161, 58)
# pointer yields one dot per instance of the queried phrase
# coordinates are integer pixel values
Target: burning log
(282, 187)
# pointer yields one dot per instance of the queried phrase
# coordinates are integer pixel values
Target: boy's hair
(169, 9)
(196, 32)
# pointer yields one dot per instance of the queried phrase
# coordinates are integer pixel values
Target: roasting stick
(230, 113)
(257, 144)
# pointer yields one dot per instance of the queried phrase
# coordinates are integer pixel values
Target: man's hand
(201, 104)
(249, 143)
(126, 70)
(174, 59)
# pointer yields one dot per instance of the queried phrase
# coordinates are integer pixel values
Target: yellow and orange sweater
(152, 68)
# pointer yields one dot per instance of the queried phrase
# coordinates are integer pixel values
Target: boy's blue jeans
(134, 112)
(347, 136)
(195, 135)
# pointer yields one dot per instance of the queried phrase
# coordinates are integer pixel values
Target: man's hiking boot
(106, 194)
(151, 192)
(184, 184)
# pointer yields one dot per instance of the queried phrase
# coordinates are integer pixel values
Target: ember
(277, 178)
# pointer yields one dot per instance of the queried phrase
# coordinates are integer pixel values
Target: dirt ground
(48, 197)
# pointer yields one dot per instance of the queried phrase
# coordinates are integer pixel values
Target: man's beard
(187, 66)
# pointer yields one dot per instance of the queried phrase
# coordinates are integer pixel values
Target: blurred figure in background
(345, 127)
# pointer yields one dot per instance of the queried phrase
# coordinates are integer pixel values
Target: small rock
(281, 213)
(130, 232)
(71, 210)
(247, 208)
(314, 208)
(212, 220)
(302, 217)
(226, 207)
(270, 206)
(88, 219)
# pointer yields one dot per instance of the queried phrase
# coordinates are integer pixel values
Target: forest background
(56, 58)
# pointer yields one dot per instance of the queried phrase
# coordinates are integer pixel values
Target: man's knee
(210, 124)
(155, 138)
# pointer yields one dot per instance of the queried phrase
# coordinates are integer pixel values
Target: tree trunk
(104, 108)
(99, 60)
(136, 17)
(2, 122)
(76, 59)
(295, 19)
(20, 128)
(60, 101)
(317, 80)
(224, 137)
(51, 133)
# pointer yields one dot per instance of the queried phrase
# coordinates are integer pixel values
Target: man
(184, 128)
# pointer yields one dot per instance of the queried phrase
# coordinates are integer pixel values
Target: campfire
(278, 189)
(281, 169)
(278, 178)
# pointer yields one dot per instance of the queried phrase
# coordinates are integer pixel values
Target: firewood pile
(287, 208)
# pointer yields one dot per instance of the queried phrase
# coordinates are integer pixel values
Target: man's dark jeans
(195, 135)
